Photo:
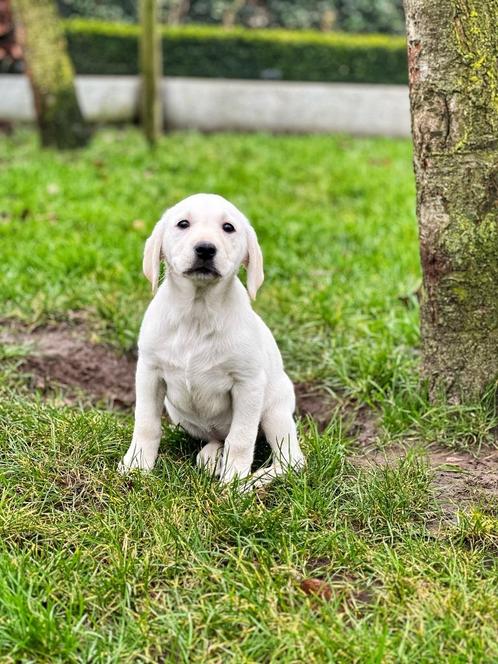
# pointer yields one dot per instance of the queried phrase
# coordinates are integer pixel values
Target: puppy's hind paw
(267, 474)
(210, 458)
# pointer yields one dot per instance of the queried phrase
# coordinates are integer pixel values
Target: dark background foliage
(103, 37)
(349, 15)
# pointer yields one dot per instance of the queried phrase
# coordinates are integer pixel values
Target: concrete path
(224, 104)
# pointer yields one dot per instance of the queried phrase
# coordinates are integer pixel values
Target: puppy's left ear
(253, 263)
(153, 255)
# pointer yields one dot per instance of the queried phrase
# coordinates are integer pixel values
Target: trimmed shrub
(349, 15)
(206, 51)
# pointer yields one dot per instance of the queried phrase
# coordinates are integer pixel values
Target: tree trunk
(230, 14)
(150, 63)
(178, 12)
(51, 75)
(452, 56)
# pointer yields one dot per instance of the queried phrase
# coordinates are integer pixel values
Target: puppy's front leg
(150, 393)
(238, 454)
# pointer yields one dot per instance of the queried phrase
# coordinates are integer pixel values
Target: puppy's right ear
(153, 255)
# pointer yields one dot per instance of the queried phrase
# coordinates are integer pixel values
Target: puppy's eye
(228, 228)
(184, 223)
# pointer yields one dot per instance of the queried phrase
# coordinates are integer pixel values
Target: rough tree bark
(151, 65)
(452, 59)
(51, 74)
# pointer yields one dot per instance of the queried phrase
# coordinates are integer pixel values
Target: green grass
(95, 567)
(335, 217)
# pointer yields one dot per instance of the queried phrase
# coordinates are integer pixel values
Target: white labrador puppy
(204, 353)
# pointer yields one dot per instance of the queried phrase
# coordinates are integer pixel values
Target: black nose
(205, 250)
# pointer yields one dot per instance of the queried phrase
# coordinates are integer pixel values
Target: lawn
(347, 562)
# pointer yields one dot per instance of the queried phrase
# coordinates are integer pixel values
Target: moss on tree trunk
(51, 75)
(452, 59)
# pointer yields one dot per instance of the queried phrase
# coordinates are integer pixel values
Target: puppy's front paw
(210, 457)
(136, 459)
(235, 467)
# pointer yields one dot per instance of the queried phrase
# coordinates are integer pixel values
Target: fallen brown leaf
(316, 587)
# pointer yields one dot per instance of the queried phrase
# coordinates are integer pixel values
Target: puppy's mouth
(203, 271)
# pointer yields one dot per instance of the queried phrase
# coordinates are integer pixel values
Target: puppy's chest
(196, 370)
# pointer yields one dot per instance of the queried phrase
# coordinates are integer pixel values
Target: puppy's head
(204, 238)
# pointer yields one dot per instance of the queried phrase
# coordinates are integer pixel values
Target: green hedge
(111, 48)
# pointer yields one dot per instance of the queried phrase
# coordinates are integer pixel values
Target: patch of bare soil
(460, 479)
(63, 356)
(316, 402)
(320, 404)
(364, 426)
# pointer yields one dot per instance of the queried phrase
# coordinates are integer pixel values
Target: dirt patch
(63, 356)
(321, 405)
(460, 479)
(364, 427)
(316, 402)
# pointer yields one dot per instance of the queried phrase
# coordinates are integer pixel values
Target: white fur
(205, 354)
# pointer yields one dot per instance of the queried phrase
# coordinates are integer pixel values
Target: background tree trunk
(150, 63)
(452, 56)
(178, 12)
(230, 14)
(51, 74)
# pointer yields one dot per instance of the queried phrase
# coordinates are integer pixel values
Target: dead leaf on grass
(317, 588)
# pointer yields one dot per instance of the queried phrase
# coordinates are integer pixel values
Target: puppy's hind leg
(280, 430)
(210, 457)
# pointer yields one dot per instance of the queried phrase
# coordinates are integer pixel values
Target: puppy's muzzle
(204, 260)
